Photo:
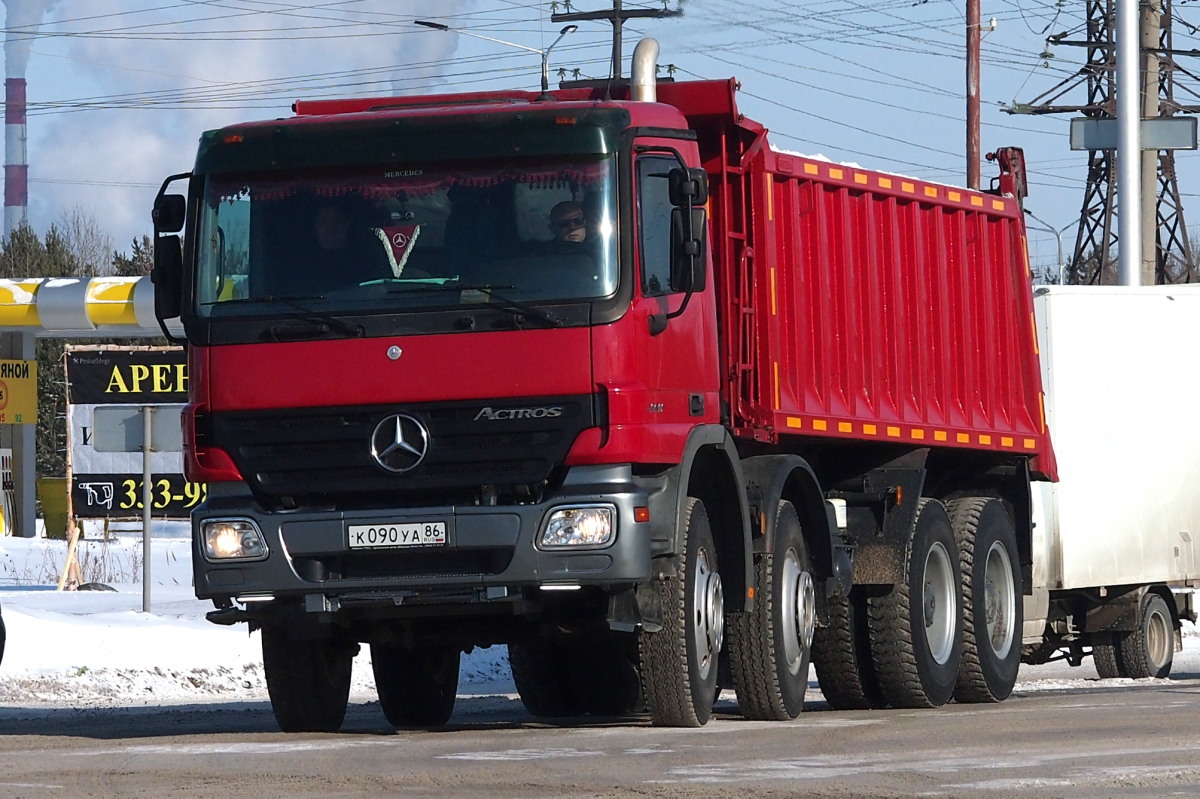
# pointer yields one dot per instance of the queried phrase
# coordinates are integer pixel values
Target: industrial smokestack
(21, 23)
(16, 161)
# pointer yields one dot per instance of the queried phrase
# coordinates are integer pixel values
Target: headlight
(583, 527)
(233, 539)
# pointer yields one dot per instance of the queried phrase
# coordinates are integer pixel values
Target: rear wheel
(770, 649)
(1104, 655)
(416, 685)
(1149, 651)
(916, 628)
(842, 656)
(308, 679)
(679, 661)
(991, 600)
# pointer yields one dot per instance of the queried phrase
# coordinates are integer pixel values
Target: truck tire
(1104, 655)
(991, 600)
(541, 673)
(842, 656)
(770, 649)
(1149, 651)
(416, 686)
(604, 673)
(308, 680)
(587, 673)
(678, 662)
(916, 628)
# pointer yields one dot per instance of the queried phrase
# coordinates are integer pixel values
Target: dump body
(891, 309)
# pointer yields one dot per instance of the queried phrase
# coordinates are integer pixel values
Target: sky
(119, 90)
(96, 649)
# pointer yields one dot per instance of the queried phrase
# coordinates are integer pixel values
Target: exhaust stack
(644, 79)
(16, 163)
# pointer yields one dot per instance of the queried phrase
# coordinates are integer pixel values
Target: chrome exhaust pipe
(644, 80)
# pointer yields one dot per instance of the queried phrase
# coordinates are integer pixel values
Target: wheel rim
(798, 613)
(708, 619)
(1000, 600)
(939, 604)
(1159, 645)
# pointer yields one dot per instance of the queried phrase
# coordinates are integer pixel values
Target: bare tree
(90, 246)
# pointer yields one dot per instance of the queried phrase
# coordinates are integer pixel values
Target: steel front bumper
(490, 554)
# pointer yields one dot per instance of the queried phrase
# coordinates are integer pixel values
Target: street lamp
(545, 54)
(1058, 237)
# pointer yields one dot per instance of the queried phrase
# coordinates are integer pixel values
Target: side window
(654, 224)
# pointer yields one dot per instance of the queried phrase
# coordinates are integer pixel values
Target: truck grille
(323, 453)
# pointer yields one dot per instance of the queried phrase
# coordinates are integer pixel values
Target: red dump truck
(757, 410)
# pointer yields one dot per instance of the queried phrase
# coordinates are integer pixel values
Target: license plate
(390, 536)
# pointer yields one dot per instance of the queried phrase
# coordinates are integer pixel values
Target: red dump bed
(865, 305)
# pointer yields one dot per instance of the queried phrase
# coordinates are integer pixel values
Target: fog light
(582, 527)
(233, 539)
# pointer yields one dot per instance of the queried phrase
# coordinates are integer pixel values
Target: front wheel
(679, 661)
(308, 680)
(770, 649)
(916, 628)
(416, 685)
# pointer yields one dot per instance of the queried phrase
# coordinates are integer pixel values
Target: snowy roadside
(98, 649)
(82, 649)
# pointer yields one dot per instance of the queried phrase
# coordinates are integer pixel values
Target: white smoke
(22, 20)
(111, 159)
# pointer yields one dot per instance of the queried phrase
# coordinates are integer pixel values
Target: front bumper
(489, 555)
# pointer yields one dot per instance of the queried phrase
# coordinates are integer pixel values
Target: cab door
(661, 373)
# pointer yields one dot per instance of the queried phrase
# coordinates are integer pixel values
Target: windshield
(387, 239)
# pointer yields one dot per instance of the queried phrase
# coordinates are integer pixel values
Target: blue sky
(119, 90)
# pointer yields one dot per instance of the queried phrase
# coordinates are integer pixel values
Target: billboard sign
(108, 389)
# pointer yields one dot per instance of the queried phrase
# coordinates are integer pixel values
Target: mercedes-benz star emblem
(399, 443)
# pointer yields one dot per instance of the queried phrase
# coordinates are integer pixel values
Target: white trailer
(1113, 547)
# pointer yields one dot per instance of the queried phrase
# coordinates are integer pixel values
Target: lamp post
(545, 54)
(1058, 237)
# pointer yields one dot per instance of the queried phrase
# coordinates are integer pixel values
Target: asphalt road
(1092, 739)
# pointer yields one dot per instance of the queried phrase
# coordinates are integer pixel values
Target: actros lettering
(498, 414)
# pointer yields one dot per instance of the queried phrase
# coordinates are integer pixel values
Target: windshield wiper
(317, 322)
(494, 300)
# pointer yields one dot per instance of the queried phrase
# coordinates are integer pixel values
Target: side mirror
(167, 277)
(687, 250)
(169, 213)
(687, 187)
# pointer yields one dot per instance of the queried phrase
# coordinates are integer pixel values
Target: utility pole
(973, 43)
(1150, 29)
(617, 17)
(1092, 260)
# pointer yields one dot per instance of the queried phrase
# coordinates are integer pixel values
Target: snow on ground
(97, 648)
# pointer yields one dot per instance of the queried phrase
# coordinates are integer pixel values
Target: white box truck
(1114, 557)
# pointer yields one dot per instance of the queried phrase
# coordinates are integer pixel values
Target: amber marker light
(641, 514)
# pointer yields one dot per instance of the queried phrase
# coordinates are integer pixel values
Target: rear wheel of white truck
(1149, 651)
(770, 648)
(991, 600)
(1104, 655)
(416, 685)
(308, 680)
(916, 628)
(679, 661)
